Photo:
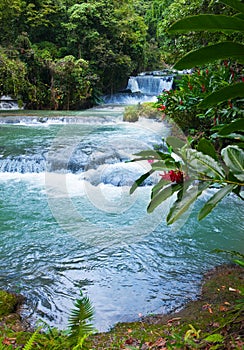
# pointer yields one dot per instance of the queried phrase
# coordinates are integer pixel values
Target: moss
(145, 110)
(216, 312)
(131, 114)
(8, 303)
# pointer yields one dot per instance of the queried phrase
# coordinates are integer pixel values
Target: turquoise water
(68, 223)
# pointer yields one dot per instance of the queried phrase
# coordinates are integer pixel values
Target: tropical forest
(121, 174)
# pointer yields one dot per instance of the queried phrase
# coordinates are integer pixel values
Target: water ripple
(139, 266)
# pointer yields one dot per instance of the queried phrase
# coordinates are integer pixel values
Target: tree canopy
(115, 38)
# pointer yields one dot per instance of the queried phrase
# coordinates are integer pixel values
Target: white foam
(33, 178)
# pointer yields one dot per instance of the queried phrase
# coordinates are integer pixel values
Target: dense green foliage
(183, 105)
(63, 54)
(189, 168)
(163, 13)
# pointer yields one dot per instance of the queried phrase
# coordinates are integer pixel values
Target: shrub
(182, 105)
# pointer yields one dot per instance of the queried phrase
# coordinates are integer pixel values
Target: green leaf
(235, 4)
(186, 200)
(164, 165)
(236, 125)
(152, 154)
(175, 142)
(214, 200)
(137, 159)
(206, 147)
(217, 127)
(214, 338)
(208, 22)
(139, 181)
(224, 94)
(211, 53)
(162, 196)
(235, 137)
(239, 262)
(79, 319)
(177, 145)
(204, 164)
(158, 187)
(233, 157)
(30, 344)
(240, 15)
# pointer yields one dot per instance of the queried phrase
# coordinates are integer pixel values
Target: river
(68, 222)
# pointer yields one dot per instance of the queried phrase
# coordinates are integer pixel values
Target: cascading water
(23, 164)
(68, 222)
(144, 87)
(87, 155)
(150, 85)
(7, 103)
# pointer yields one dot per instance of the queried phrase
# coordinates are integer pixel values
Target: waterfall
(149, 84)
(23, 164)
(7, 103)
(144, 87)
(133, 85)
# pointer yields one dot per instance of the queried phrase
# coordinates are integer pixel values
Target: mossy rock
(131, 114)
(145, 110)
(8, 303)
(150, 111)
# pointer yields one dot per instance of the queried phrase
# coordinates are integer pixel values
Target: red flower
(173, 176)
(150, 161)
(181, 102)
(207, 71)
(230, 104)
(190, 86)
(232, 73)
(203, 88)
(162, 108)
(165, 176)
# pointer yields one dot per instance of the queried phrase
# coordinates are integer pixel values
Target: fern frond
(79, 320)
(31, 341)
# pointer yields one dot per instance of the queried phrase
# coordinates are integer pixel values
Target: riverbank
(214, 321)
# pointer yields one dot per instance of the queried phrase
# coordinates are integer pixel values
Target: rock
(10, 307)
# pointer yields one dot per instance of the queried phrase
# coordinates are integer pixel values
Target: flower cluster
(173, 176)
(162, 108)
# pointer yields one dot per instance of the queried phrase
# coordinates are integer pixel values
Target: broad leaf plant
(185, 172)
